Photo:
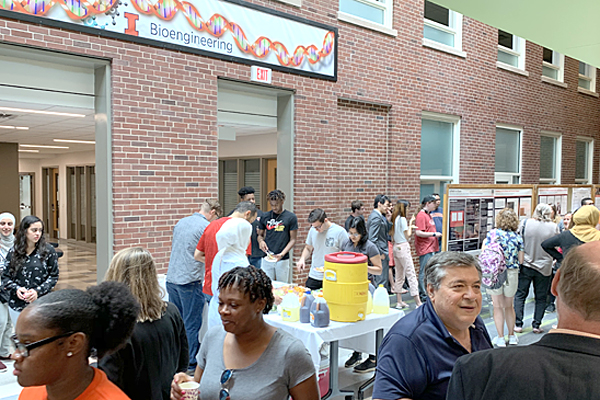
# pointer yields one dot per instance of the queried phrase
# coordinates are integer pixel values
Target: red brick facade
(354, 138)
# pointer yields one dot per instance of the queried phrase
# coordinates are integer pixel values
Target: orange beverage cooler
(346, 286)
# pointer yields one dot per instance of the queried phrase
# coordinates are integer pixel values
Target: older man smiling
(417, 355)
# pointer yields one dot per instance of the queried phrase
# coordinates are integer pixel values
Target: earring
(70, 354)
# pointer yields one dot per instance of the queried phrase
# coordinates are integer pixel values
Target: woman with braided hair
(250, 359)
(57, 333)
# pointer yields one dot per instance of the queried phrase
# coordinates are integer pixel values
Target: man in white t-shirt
(324, 237)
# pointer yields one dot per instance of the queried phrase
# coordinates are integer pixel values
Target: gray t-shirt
(323, 243)
(183, 269)
(535, 233)
(284, 364)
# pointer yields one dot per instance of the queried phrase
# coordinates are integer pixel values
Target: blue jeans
(422, 263)
(256, 261)
(189, 300)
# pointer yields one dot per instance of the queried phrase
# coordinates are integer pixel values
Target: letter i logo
(131, 24)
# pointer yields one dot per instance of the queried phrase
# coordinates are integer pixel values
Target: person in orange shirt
(55, 336)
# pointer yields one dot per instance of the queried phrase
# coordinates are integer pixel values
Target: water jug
(381, 301)
(319, 313)
(370, 303)
(305, 304)
(290, 307)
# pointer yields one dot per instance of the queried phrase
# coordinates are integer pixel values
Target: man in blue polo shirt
(417, 355)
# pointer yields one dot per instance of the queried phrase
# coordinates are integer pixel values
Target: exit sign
(260, 74)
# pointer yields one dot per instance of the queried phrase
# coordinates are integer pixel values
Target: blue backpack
(493, 263)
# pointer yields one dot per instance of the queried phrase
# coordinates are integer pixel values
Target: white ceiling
(43, 129)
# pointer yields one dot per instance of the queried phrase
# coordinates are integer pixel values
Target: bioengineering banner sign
(232, 30)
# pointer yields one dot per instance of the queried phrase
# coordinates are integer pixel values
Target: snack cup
(191, 390)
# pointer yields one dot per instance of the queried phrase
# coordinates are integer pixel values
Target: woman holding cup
(248, 359)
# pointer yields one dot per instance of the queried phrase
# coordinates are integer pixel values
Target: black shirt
(156, 350)
(277, 229)
(565, 240)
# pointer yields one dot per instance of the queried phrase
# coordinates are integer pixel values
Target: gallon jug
(381, 301)
(319, 313)
(290, 307)
(370, 303)
(305, 304)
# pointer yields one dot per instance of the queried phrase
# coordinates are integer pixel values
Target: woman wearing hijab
(7, 239)
(232, 241)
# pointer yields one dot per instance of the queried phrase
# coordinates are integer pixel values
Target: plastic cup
(191, 390)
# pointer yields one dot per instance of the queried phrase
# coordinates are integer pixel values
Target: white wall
(249, 146)
(61, 162)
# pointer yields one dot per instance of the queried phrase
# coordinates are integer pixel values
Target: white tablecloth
(359, 336)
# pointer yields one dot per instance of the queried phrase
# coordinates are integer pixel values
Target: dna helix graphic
(166, 10)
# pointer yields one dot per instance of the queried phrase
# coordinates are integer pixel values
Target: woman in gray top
(250, 359)
(537, 265)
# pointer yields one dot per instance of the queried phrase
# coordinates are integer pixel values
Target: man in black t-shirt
(358, 210)
(277, 232)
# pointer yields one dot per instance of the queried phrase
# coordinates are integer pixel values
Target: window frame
(559, 67)
(590, 163)
(455, 20)
(590, 78)
(455, 121)
(557, 158)
(387, 6)
(519, 52)
(509, 175)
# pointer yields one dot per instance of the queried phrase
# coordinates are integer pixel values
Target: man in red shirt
(426, 239)
(207, 247)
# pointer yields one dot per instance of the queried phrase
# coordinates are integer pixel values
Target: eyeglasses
(24, 349)
(318, 228)
(225, 378)
(354, 234)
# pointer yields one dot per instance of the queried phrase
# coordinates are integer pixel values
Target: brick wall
(354, 138)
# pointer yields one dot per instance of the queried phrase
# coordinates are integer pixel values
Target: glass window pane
(548, 55)
(584, 84)
(230, 185)
(426, 189)
(508, 58)
(581, 161)
(363, 10)
(436, 148)
(550, 72)
(437, 13)
(547, 157)
(252, 177)
(582, 68)
(507, 150)
(505, 39)
(438, 36)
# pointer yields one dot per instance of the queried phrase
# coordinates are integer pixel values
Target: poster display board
(470, 212)
(597, 195)
(578, 194)
(557, 195)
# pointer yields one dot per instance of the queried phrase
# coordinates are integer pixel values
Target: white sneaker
(499, 341)
(513, 340)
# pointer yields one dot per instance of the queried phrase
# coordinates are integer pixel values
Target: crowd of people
(148, 348)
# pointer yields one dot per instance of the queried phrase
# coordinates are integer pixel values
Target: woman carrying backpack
(505, 234)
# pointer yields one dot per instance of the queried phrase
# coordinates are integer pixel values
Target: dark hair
(428, 199)
(245, 191)
(358, 223)
(276, 195)
(437, 266)
(252, 282)
(318, 214)
(586, 199)
(20, 245)
(356, 205)
(106, 314)
(380, 199)
(244, 206)
(399, 210)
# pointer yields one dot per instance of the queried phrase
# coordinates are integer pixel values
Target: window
(550, 158)
(553, 65)
(508, 155)
(367, 12)
(511, 50)
(583, 161)
(440, 145)
(587, 77)
(442, 27)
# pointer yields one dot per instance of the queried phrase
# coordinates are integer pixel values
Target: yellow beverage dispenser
(346, 286)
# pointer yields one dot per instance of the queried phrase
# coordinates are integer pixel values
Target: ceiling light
(28, 111)
(41, 146)
(21, 128)
(75, 141)
(29, 151)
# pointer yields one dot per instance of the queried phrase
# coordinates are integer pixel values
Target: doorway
(26, 194)
(51, 197)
